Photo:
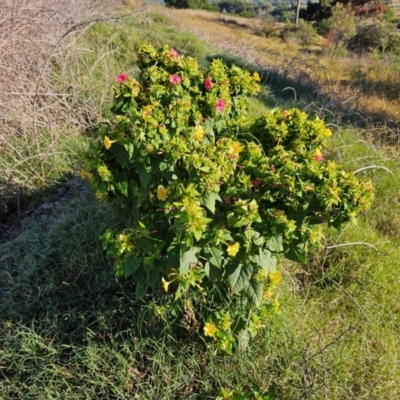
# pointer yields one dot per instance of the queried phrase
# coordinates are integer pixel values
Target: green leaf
(142, 197)
(258, 239)
(227, 236)
(213, 273)
(132, 263)
(120, 153)
(239, 276)
(296, 253)
(153, 277)
(122, 159)
(164, 166)
(210, 200)
(140, 290)
(187, 258)
(214, 256)
(144, 244)
(218, 125)
(266, 260)
(254, 292)
(144, 175)
(122, 187)
(130, 149)
(275, 244)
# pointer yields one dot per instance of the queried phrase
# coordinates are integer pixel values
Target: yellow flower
(236, 148)
(107, 142)
(162, 193)
(256, 76)
(198, 132)
(279, 213)
(210, 329)
(275, 278)
(100, 195)
(233, 249)
(86, 175)
(165, 284)
(267, 294)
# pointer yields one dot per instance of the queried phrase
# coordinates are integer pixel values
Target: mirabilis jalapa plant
(212, 197)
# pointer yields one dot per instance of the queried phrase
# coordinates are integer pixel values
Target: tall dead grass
(34, 110)
(40, 105)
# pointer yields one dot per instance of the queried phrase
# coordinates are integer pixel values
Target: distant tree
(176, 3)
(202, 5)
(341, 25)
(323, 9)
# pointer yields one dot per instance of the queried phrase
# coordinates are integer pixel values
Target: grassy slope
(370, 85)
(69, 330)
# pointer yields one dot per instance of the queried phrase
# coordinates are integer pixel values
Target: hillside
(71, 329)
(369, 89)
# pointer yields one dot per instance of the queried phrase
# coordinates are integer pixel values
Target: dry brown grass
(35, 110)
(329, 77)
(44, 104)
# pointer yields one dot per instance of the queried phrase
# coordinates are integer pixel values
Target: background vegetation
(70, 330)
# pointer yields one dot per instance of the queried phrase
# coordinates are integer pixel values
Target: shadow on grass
(70, 328)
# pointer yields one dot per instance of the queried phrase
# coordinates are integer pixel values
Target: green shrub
(393, 44)
(369, 37)
(306, 33)
(213, 198)
(202, 5)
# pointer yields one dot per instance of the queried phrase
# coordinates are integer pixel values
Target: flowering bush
(213, 198)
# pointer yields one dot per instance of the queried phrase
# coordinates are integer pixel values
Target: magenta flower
(318, 158)
(207, 83)
(228, 200)
(173, 53)
(256, 183)
(121, 78)
(175, 79)
(220, 106)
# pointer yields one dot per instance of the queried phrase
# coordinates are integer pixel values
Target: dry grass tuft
(32, 36)
(40, 105)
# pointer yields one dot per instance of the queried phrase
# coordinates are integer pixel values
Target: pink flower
(318, 158)
(121, 78)
(272, 168)
(228, 200)
(175, 79)
(220, 106)
(256, 183)
(174, 53)
(207, 83)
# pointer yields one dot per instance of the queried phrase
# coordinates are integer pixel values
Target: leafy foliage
(212, 198)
